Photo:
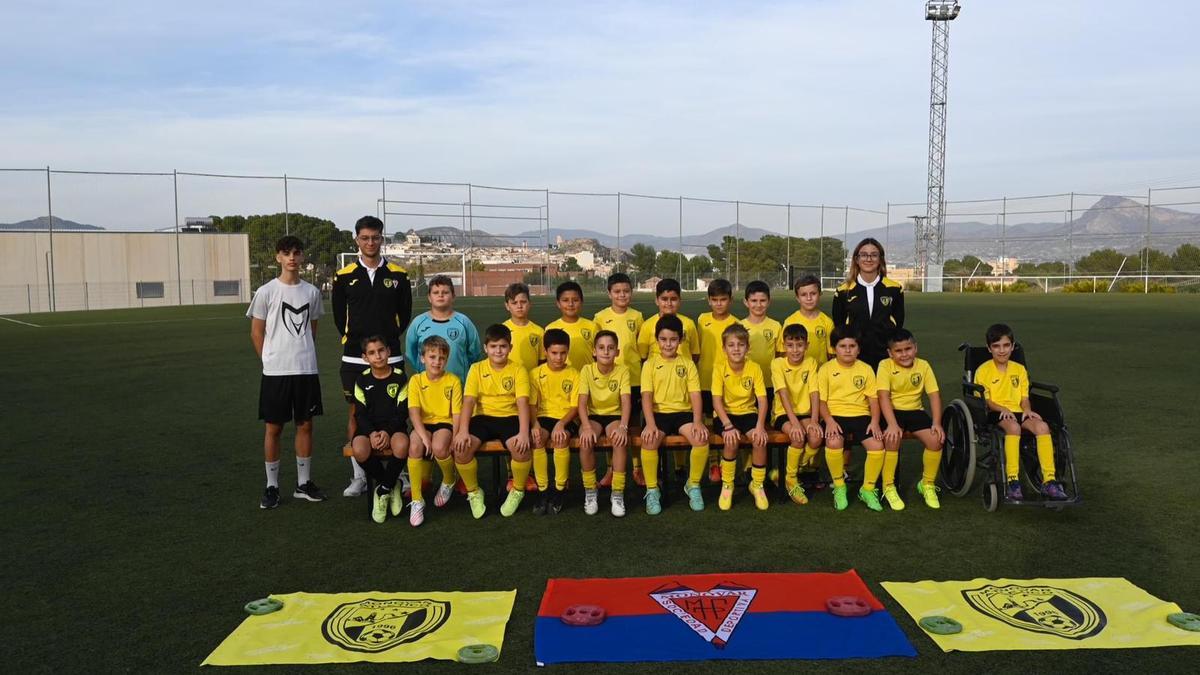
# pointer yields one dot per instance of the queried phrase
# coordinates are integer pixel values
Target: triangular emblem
(714, 614)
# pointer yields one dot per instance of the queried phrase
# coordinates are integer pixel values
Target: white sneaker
(444, 493)
(618, 504)
(416, 514)
(591, 504)
(356, 488)
(405, 483)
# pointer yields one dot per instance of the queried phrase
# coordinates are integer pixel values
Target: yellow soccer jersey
(626, 326)
(604, 391)
(1006, 389)
(763, 337)
(527, 348)
(583, 336)
(671, 382)
(689, 345)
(797, 382)
(739, 391)
(439, 401)
(711, 349)
(906, 384)
(818, 329)
(496, 391)
(556, 391)
(845, 390)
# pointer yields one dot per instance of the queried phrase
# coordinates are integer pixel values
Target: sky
(810, 102)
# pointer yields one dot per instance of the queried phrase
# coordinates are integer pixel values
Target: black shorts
(287, 398)
(440, 426)
(706, 408)
(669, 423)
(854, 429)
(782, 420)
(994, 417)
(743, 423)
(350, 372)
(913, 420)
(487, 428)
(548, 423)
(390, 429)
(604, 420)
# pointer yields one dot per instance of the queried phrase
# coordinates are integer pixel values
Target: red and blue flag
(699, 617)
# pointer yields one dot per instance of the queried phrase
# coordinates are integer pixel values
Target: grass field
(132, 469)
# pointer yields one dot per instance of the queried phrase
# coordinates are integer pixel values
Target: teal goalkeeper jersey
(458, 330)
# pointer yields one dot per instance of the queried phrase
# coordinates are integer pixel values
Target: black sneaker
(309, 491)
(556, 502)
(270, 498)
(542, 505)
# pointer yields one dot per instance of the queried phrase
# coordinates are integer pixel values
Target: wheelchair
(974, 448)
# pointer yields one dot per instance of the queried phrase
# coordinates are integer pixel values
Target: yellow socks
(446, 464)
(890, 460)
(562, 467)
(470, 475)
(930, 461)
(541, 469)
(589, 480)
(837, 466)
(794, 455)
(650, 461)
(872, 469)
(520, 474)
(698, 464)
(728, 471)
(416, 469)
(809, 460)
(1045, 450)
(618, 484)
(1012, 457)
(758, 474)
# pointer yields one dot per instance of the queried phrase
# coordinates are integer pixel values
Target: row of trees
(766, 258)
(1185, 259)
(323, 241)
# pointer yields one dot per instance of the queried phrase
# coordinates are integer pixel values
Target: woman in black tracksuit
(869, 302)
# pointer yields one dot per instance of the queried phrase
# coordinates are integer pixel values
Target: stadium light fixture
(941, 10)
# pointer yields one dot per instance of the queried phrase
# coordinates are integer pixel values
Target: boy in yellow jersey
(582, 331)
(1006, 389)
(671, 405)
(901, 379)
(797, 407)
(625, 322)
(667, 296)
(435, 399)
(711, 325)
(555, 385)
(605, 408)
(739, 395)
(850, 409)
(501, 389)
(764, 334)
(816, 323)
(527, 349)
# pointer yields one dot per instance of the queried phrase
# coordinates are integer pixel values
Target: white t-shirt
(289, 312)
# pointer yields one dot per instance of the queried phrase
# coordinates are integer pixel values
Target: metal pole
(737, 243)
(1003, 240)
(788, 272)
(471, 214)
(287, 229)
(178, 263)
(50, 225)
(1071, 239)
(618, 263)
(887, 226)
(383, 195)
(845, 235)
(547, 198)
(679, 260)
(821, 249)
(1146, 245)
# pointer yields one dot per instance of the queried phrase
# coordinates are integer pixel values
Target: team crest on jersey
(586, 333)
(680, 371)
(533, 341)
(1016, 381)
(915, 379)
(1039, 609)
(449, 392)
(885, 300)
(392, 390)
(374, 626)
(629, 323)
(567, 386)
(713, 614)
(748, 383)
(453, 333)
(769, 335)
(294, 319)
(388, 283)
(507, 383)
(859, 381)
(612, 385)
(804, 377)
(820, 332)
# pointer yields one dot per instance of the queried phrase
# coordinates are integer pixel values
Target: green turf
(132, 471)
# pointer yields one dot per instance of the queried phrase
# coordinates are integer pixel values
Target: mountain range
(42, 223)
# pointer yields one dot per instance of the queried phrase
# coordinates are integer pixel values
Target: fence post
(287, 229)
(86, 303)
(28, 299)
(1003, 240)
(1146, 245)
(737, 243)
(788, 272)
(679, 260)
(960, 285)
(821, 249)
(178, 262)
(1093, 284)
(50, 227)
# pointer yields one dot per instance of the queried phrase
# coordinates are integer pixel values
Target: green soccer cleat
(839, 498)
(929, 492)
(653, 502)
(870, 498)
(396, 503)
(379, 505)
(511, 503)
(695, 499)
(893, 498)
(478, 505)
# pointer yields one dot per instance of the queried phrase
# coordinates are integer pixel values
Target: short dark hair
(441, 280)
(369, 339)
(515, 289)
(735, 330)
(669, 322)
(567, 287)
(606, 334)
(840, 333)
(795, 331)
(368, 223)
(497, 332)
(666, 285)
(556, 336)
(435, 342)
(997, 331)
(619, 278)
(719, 287)
(900, 335)
(288, 244)
(806, 280)
(757, 287)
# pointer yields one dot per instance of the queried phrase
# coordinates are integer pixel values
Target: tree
(1102, 261)
(642, 257)
(323, 241)
(966, 266)
(1186, 259)
(570, 265)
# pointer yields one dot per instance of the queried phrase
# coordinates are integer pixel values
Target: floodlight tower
(930, 231)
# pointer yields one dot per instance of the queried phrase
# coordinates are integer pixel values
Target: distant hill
(478, 237)
(667, 242)
(42, 223)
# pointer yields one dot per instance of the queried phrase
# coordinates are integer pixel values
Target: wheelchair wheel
(991, 497)
(958, 455)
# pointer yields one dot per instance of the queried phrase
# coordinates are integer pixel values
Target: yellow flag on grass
(1004, 614)
(374, 626)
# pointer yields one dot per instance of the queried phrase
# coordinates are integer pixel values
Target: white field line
(133, 323)
(23, 323)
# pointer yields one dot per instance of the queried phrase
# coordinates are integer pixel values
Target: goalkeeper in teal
(455, 327)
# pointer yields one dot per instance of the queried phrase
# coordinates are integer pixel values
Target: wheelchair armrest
(1044, 386)
(971, 387)
(964, 346)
